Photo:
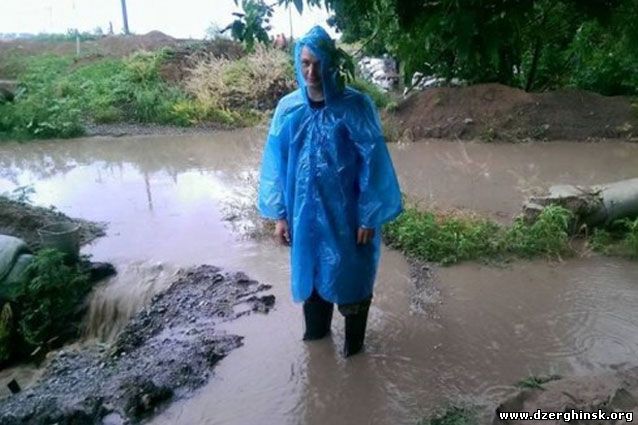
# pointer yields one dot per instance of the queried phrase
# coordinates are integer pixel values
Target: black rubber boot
(318, 316)
(355, 331)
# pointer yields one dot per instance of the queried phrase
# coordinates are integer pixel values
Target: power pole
(125, 17)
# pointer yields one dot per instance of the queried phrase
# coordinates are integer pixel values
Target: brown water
(482, 328)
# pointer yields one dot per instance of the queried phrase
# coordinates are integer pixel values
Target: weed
(455, 237)
(379, 98)
(548, 235)
(536, 382)
(453, 416)
(49, 297)
(257, 80)
(443, 238)
(619, 238)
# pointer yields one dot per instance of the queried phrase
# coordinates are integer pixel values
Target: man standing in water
(328, 181)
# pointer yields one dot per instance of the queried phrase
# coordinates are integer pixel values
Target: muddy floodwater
(467, 337)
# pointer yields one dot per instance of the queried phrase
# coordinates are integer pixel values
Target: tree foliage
(252, 25)
(532, 44)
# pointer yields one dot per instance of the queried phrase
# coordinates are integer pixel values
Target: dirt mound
(175, 69)
(110, 45)
(497, 112)
(23, 221)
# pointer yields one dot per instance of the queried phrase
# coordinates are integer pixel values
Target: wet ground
(467, 337)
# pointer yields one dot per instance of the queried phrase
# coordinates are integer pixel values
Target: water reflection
(474, 332)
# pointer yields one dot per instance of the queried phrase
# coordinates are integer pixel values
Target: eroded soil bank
(22, 220)
(165, 352)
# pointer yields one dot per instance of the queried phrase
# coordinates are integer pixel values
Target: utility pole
(290, 21)
(125, 17)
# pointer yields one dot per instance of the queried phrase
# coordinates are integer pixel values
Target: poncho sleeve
(379, 193)
(271, 197)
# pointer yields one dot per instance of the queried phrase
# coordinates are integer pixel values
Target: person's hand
(282, 235)
(364, 235)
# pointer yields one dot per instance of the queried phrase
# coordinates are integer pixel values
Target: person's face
(310, 69)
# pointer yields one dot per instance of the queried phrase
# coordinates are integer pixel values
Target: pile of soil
(22, 221)
(175, 69)
(110, 45)
(496, 112)
(121, 46)
(166, 351)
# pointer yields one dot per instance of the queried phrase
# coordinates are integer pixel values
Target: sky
(178, 18)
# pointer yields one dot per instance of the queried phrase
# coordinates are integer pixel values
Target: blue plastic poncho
(328, 172)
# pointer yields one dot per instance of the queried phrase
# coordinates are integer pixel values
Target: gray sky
(179, 18)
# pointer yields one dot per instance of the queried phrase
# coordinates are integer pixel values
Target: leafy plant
(50, 296)
(380, 99)
(252, 25)
(548, 235)
(455, 237)
(446, 239)
(536, 382)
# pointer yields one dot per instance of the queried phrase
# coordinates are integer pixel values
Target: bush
(548, 235)
(442, 238)
(620, 238)
(451, 238)
(258, 79)
(378, 97)
(603, 62)
(49, 298)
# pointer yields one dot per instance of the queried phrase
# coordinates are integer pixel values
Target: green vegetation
(531, 44)
(451, 238)
(620, 238)
(253, 25)
(233, 91)
(49, 299)
(381, 99)
(57, 96)
(536, 382)
(453, 416)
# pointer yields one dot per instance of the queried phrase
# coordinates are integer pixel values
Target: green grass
(452, 238)
(620, 238)
(49, 298)
(378, 97)
(536, 382)
(453, 416)
(57, 96)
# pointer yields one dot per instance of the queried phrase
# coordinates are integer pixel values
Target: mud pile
(165, 352)
(496, 112)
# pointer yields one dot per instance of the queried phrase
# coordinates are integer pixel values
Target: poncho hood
(323, 48)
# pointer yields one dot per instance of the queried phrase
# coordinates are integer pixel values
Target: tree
(532, 44)
(252, 25)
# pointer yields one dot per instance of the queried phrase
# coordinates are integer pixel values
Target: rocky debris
(380, 71)
(166, 351)
(425, 294)
(421, 81)
(609, 392)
